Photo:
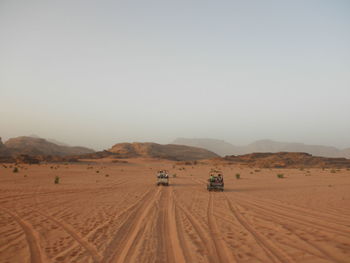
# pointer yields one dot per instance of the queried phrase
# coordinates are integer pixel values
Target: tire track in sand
(202, 234)
(221, 248)
(281, 219)
(271, 250)
(108, 223)
(318, 223)
(178, 251)
(36, 255)
(162, 224)
(124, 239)
(73, 233)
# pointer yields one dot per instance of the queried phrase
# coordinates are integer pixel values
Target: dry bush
(281, 176)
(57, 180)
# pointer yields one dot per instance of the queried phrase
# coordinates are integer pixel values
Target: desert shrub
(57, 180)
(97, 172)
(188, 163)
(251, 172)
(238, 176)
(348, 169)
(301, 169)
(174, 175)
(333, 171)
(15, 170)
(25, 175)
(257, 170)
(107, 175)
(4, 166)
(280, 176)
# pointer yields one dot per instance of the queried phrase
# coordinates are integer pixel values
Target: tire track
(275, 253)
(331, 218)
(173, 229)
(136, 229)
(108, 223)
(202, 234)
(119, 247)
(36, 255)
(221, 248)
(301, 212)
(73, 233)
(301, 220)
(283, 220)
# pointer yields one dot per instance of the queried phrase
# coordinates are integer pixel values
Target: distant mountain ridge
(223, 148)
(283, 160)
(34, 146)
(162, 151)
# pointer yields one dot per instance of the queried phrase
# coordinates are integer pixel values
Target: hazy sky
(95, 73)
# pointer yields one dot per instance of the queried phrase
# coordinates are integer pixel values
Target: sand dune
(114, 212)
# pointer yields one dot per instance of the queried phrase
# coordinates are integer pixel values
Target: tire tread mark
(70, 230)
(132, 228)
(221, 248)
(272, 251)
(173, 229)
(325, 253)
(36, 255)
(201, 233)
(306, 222)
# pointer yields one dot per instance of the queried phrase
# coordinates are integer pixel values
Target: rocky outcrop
(154, 150)
(224, 148)
(285, 160)
(40, 147)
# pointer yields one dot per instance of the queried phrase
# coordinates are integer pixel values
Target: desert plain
(104, 211)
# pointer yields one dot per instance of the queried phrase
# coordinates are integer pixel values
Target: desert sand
(114, 212)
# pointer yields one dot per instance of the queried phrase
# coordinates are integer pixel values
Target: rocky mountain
(284, 160)
(154, 150)
(38, 146)
(219, 147)
(3, 149)
(224, 148)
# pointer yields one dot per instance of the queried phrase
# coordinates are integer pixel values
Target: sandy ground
(114, 212)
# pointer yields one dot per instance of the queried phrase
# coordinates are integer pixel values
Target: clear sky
(95, 73)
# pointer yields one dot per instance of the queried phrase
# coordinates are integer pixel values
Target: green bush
(57, 180)
(238, 176)
(280, 176)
